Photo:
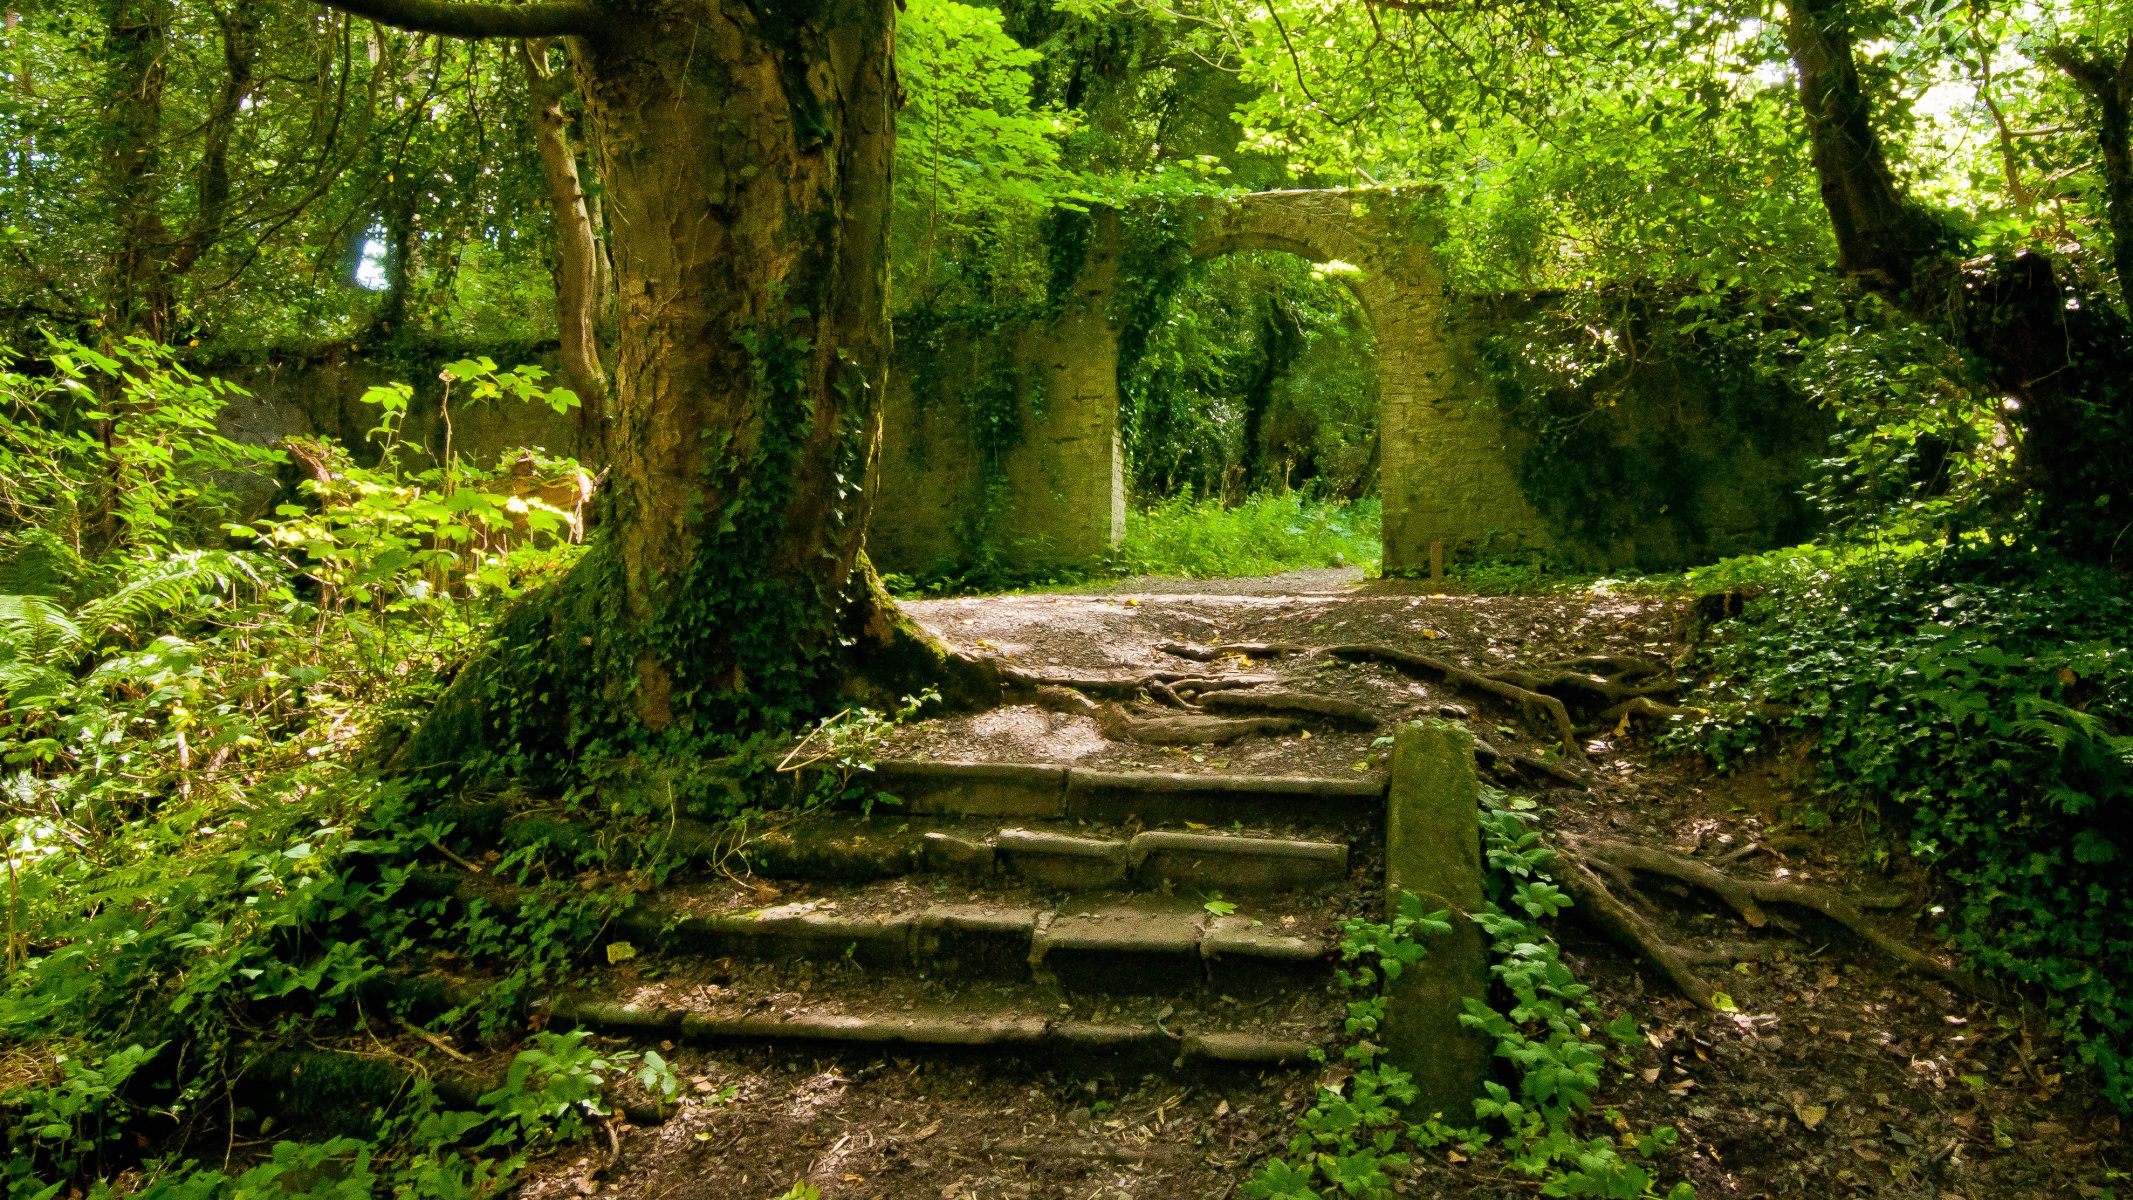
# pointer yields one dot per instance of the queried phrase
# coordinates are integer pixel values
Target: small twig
(451, 1051)
(789, 765)
(441, 848)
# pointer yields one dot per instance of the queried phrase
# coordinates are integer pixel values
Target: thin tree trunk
(577, 276)
(136, 50)
(240, 25)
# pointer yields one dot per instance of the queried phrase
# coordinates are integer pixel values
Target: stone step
(1152, 944)
(1150, 859)
(1045, 850)
(1149, 798)
(1018, 1028)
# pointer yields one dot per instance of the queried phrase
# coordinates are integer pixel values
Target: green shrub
(1265, 535)
(1979, 701)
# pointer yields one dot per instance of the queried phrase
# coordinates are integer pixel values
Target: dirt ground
(1839, 1075)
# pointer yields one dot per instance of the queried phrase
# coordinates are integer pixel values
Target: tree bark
(1872, 224)
(744, 151)
(2109, 86)
(136, 54)
(2055, 355)
(578, 276)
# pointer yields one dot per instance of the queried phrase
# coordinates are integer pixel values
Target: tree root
(1181, 729)
(1305, 704)
(1536, 707)
(1625, 927)
(1530, 764)
(1643, 706)
(1127, 687)
(1586, 862)
(1199, 653)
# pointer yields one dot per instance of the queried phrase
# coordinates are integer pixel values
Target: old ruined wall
(1444, 473)
(320, 395)
(1002, 438)
(1667, 465)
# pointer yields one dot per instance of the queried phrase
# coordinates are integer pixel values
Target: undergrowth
(1977, 702)
(1265, 535)
(1361, 1132)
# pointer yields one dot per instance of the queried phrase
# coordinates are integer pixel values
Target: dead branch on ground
(1199, 653)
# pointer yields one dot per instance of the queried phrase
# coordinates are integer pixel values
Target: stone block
(1236, 864)
(1433, 849)
(975, 789)
(1060, 861)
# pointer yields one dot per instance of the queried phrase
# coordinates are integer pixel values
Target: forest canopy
(440, 443)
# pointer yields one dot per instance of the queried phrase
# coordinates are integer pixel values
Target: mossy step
(1012, 1029)
(1045, 790)
(1101, 947)
(1230, 862)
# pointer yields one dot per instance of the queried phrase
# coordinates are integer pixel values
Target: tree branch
(454, 18)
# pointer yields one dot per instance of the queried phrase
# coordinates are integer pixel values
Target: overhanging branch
(455, 18)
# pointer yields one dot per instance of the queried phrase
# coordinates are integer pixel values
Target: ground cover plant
(1972, 703)
(269, 665)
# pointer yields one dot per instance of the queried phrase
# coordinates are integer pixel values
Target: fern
(34, 629)
(169, 583)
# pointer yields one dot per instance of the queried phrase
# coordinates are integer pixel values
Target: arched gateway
(1002, 429)
(1055, 489)
(1443, 470)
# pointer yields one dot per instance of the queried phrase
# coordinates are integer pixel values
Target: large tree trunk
(2109, 85)
(2059, 357)
(744, 150)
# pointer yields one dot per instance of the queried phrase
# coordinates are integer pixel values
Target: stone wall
(321, 395)
(1677, 474)
(1666, 471)
(1005, 439)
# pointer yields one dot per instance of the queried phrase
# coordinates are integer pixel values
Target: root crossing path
(1090, 953)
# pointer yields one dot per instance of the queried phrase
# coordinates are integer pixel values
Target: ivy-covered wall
(320, 393)
(1641, 436)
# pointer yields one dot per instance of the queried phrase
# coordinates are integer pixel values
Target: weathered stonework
(1445, 469)
(1444, 473)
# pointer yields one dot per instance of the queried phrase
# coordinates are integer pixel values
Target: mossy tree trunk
(2060, 357)
(744, 148)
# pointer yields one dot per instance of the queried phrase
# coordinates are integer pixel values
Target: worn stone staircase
(1184, 920)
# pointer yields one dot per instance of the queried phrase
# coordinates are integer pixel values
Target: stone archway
(1446, 473)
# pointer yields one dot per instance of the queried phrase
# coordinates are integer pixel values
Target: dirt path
(1837, 1074)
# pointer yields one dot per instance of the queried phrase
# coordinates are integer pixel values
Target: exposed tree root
(1594, 679)
(1538, 708)
(1530, 764)
(1306, 704)
(1127, 687)
(1589, 866)
(1199, 653)
(1644, 706)
(1187, 729)
(1628, 929)
(1181, 729)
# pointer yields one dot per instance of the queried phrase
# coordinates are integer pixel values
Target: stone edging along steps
(1077, 967)
(1116, 797)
